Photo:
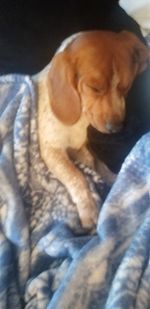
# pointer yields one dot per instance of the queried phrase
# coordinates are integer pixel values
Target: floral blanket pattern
(46, 259)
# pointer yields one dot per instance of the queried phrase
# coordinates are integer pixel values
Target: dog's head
(93, 75)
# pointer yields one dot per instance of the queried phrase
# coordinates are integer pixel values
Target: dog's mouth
(107, 127)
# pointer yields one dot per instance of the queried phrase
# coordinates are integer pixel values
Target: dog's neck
(61, 48)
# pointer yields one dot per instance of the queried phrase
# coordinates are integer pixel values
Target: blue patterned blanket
(46, 259)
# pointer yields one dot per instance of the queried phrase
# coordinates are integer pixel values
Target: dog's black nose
(113, 127)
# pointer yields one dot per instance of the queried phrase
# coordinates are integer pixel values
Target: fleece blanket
(46, 258)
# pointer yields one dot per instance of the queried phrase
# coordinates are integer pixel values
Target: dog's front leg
(60, 165)
(83, 155)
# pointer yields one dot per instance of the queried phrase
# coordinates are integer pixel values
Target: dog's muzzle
(113, 128)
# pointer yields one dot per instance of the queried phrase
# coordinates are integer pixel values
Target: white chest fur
(52, 132)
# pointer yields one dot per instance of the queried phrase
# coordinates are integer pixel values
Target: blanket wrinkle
(47, 259)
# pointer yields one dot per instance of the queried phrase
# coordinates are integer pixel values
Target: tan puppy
(85, 84)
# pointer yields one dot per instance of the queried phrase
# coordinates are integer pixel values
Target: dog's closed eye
(96, 89)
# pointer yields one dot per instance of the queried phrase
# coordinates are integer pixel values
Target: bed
(47, 260)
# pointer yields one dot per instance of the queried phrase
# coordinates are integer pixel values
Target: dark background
(31, 31)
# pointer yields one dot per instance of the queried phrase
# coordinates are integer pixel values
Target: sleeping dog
(85, 84)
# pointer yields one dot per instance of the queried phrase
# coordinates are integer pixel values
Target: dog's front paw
(89, 161)
(88, 212)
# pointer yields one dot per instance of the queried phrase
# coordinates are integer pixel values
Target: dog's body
(58, 143)
(84, 85)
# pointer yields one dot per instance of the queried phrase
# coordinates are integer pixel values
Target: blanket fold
(46, 258)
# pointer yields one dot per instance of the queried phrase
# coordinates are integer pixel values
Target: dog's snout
(113, 127)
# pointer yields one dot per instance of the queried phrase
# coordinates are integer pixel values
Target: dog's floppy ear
(139, 52)
(64, 97)
(141, 57)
